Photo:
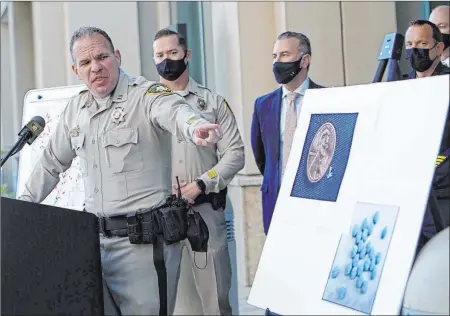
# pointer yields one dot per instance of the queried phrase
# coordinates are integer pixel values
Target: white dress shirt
(446, 62)
(284, 104)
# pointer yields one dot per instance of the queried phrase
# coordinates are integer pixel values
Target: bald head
(441, 16)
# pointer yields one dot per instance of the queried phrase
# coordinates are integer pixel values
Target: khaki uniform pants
(205, 278)
(130, 280)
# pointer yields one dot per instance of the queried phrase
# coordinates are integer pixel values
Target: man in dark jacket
(275, 115)
(424, 48)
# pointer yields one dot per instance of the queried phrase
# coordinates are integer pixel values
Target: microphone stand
(17, 146)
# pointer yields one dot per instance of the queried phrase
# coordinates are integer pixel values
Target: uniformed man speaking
(204, 173)
(121, 128)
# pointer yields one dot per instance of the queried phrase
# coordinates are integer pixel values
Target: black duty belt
(217, 200)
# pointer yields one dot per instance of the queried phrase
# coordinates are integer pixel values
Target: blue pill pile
(363, 257)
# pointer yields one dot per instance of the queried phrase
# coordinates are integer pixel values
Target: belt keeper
(101, 226)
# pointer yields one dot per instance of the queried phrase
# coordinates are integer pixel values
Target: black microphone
(28, 134)
(32, 129)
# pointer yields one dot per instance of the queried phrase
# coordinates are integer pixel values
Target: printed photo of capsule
(361, 254)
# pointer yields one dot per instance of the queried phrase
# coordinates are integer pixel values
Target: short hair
(437, 35)
(167, 32)
(85, 31)
(304, 44)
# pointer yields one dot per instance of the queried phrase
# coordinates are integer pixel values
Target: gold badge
(158, 88)
(74, 132)
(201, 104)
(118, 115)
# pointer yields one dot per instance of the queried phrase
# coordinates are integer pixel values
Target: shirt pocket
(121, 150)
(79, 148)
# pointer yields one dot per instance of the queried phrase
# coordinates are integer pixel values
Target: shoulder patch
(158, 88)
(212, 174)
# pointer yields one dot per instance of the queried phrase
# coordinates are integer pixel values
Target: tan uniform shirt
(190, 161)
(124, 147)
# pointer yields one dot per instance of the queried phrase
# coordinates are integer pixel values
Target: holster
(197, 233)
(218, 200)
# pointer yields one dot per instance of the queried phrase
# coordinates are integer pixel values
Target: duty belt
(217, 200)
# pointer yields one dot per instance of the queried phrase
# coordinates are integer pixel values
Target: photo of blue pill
(353, 273)
(335, 272)
(364, 224)
(384, 232)
(370, 228)
(355, 230)
(341, 293)
(362, 253)
(348, 269)
(366, 265)
(358, 236)
(378, 258)
(359, 271)
(365, 234)
(364, 287)
(373, 274)
(376, 217)
(359, 282)
(360, 246)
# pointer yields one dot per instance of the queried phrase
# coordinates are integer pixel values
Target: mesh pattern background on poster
(325, 156)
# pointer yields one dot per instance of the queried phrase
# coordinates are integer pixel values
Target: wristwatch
(201, 185)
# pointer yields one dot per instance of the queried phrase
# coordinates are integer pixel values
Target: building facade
(232, 50)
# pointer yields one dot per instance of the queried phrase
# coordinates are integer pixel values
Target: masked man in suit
(275, 115)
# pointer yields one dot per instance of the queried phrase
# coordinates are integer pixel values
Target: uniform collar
(300, 90)
(446, 62)
(191, 87)
(120, 93)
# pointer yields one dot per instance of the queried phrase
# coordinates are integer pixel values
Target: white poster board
(377, 157)
(49, 103)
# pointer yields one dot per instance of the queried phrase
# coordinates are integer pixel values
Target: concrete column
(8, 133)
(364, 25)
(321, 23)
(148, 26)
(21, 57)
(118, 19)
(50, 44)
(243, 71)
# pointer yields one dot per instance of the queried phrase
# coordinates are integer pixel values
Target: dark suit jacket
(265, 138)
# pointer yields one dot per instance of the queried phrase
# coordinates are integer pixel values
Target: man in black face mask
(204, 176)
(441, 18)
(275, 115)
(424, 48)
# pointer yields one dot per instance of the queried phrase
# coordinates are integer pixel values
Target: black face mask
(285, 72)
(171, 69)
(419, 58)
(446, 40)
